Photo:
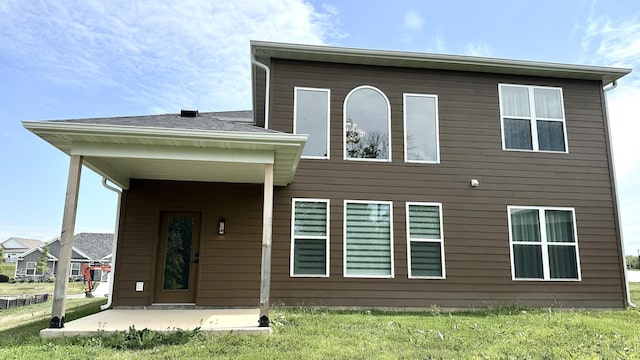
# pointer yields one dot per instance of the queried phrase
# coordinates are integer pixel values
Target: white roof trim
(120, 153)
(262, 49)
(32, 250)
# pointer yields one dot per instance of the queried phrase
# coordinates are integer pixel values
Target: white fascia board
(171, 153)
(104, 169)
(436, 61)
(21, 256)
(80, 253)
(71, 129)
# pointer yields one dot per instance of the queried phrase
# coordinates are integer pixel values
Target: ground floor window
(75, 269)
(310, 237)
(31, 268)
(368, 239)
(425, 242)
(544, 244)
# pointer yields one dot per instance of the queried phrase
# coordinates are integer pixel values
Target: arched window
(367, 125)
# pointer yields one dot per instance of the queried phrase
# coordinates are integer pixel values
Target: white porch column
(66, 243)
(267, 220)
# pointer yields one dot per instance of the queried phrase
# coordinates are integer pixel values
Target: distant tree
(41, 265)
(633, 262)
(1, 254)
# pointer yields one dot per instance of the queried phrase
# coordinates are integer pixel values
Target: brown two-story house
(368, 178)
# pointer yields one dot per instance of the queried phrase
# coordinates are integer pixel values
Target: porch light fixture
(475, 183)
(221, 226)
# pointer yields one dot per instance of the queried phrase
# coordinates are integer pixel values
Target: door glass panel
(178, 253)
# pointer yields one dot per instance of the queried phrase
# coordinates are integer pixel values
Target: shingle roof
(239, 121)
(95, 246)
(26, 243)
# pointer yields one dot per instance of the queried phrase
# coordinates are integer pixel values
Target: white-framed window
(532, 118)
(309, 238)
(425, 241)
(75, 269)
(544, 243)
(367, 125)
(31, 268)
(368, 239)
(421, 134)
(311, 113)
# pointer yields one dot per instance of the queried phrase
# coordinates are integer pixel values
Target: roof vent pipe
(189, 113)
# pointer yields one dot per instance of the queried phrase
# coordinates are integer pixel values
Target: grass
(21, 326)
(38, 288)
(8, 269)
(506, 333)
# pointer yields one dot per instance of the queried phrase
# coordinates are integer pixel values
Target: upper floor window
(311, 116)
(367, 125)
(544, 243)
(532, 118)
(421, 128)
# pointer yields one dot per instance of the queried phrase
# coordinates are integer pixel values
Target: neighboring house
(372, 179)
(13, 247)
(90, 248)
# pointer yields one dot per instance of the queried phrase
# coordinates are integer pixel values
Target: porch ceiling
(121, 153)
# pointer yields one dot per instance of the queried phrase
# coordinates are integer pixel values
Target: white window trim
(406, 133)
(27, 268)
(293, 237)
(79, 269)
(409, 240)
(344, 125)
(533, 119)
(344, 237)
(543, 243)
(295, 120)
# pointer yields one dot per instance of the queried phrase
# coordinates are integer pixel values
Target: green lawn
(8, 269)
(511, 333)
(37, 288)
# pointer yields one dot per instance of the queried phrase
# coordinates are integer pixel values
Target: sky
(99, 58)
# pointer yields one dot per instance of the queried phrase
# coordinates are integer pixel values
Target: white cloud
(479, 48)
(437, 44)
(413, 21)
(617, 43)
(164, 55)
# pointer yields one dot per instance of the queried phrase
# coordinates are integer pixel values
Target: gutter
(115, 245)
(268, 85)
(616, 197)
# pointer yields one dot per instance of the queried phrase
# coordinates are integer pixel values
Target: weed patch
(134, 339)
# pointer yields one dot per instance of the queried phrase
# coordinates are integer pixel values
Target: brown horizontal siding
(475, 229)
(238, 252)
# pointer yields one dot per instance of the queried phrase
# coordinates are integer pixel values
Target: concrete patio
(217, 321)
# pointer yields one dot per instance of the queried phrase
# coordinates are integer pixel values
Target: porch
(214, 321)
(189, 148)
